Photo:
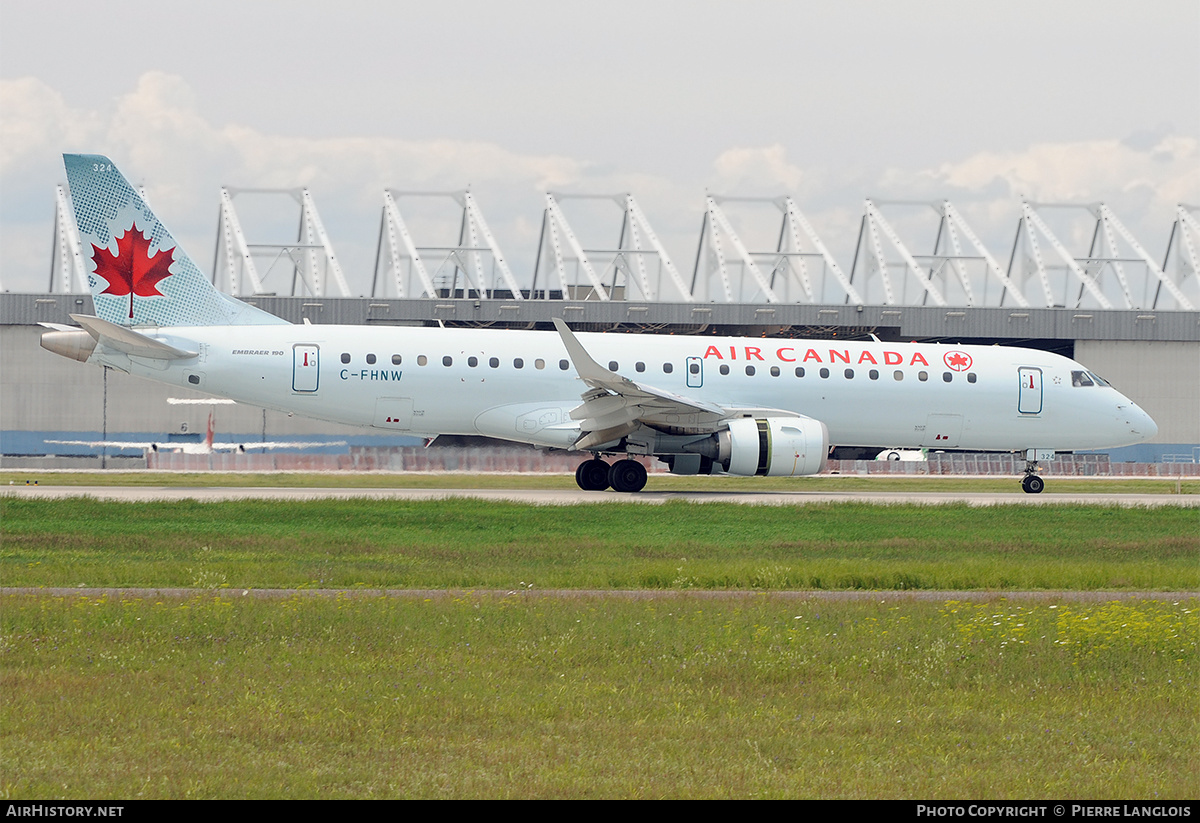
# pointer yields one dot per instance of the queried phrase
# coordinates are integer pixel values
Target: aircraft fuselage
(521, 385)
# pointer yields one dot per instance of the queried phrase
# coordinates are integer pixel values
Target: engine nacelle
(76, 344)
(775, 446)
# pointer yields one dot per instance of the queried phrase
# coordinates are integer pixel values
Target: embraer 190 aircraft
(703, 405)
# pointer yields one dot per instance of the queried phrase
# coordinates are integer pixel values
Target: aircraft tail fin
(137, 272)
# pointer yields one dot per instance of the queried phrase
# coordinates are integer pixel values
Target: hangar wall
(1163, 378)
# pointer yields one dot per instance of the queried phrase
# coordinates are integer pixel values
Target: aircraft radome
(703, 405)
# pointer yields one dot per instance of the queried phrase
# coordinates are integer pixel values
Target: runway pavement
(571, 497)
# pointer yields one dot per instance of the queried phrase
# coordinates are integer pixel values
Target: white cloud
(762, 169)
(1083, 171)
(35, 115)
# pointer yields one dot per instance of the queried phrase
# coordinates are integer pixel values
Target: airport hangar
(1152, 356)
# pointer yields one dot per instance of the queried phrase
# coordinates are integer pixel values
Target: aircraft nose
(1139, 422)
(1146, 426)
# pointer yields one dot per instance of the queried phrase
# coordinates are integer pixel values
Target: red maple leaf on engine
(132, 270)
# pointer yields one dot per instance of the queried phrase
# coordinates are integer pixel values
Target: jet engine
(76, 344)
(768, 446)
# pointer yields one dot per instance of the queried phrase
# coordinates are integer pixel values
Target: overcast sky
(831, 102)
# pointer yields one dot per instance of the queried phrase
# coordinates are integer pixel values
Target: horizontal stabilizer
(129, 341)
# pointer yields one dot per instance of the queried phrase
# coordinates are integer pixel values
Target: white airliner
(902, 455)
(703, 405)
(207, 446)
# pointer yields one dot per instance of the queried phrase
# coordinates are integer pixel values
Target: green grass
(222, 696)
(225, 694)
(466, 543)
(657, 482)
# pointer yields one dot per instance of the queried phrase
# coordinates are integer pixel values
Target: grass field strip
(628, 594)
(473, 648)
(518, 696)
(475, 544)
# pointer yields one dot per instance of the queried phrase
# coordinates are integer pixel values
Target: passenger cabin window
(639, 366)
(824, 372)
(472, 361)
(799, 371)
(947, 376)
(539, 363)
(774, 371)
(494, 362)
(395, 360)
(724, 369)
(849, 374)
(518, 363)
(898, 375)
(971, 378)
(668, 368)
(370, 360)
(345, 357)
(694, 368)
(612, 365)
(749, 371)
(564, 364)
(447, 360)
(422, 360)
(873, 374)
(922, 376)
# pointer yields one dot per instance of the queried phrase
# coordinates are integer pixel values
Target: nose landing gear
(1032, 483)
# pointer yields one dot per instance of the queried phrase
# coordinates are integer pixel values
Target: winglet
(588, 368)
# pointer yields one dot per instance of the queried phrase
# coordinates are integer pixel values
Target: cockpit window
(1081, 378)
(1100, 381)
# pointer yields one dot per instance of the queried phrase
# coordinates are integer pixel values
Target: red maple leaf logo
(959, 361)
(132, 270)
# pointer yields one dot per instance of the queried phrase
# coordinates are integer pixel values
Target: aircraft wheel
(592, 475)
(627, 476)
(1032, 484)
(893, 456)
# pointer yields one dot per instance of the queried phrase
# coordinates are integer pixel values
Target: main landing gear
(595, 475)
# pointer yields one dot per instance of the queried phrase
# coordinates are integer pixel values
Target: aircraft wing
(614, 406)
(107, 444)
(271, 444)
(196, 448)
